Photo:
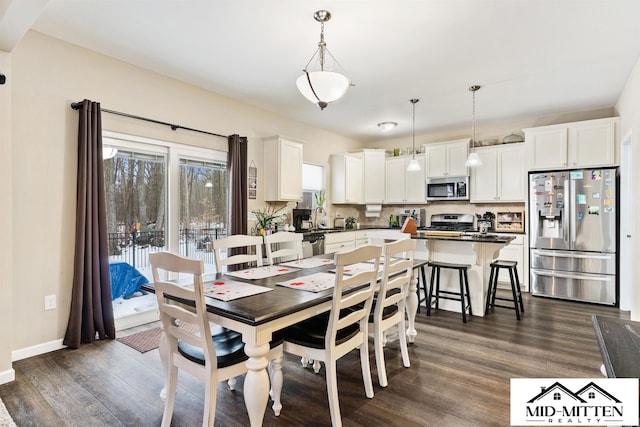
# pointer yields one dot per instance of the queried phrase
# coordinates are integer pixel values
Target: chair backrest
(396, 275)
(172, 313)
(288, 244)
(384, 236)
(253, 244)
(356, 303)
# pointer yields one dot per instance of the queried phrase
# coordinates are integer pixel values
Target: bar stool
(515, 287)
(450, 295)
(421, 275)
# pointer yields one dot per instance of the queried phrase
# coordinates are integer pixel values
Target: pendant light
(473, 160)
(324, 85)
(413, 165)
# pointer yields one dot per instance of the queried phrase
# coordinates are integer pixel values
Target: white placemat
(315, 282)
(227, 290)
(308, 262)
(356, 268)
(261, 272)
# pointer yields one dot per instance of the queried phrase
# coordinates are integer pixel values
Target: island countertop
(464, 237)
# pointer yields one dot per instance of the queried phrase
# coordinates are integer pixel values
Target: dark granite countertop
(467, 237)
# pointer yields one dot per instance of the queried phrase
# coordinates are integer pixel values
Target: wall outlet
(49, 302)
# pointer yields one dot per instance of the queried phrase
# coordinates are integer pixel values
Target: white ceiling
(533, 58)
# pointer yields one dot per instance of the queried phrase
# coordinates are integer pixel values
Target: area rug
(149, 339)
(5, 418)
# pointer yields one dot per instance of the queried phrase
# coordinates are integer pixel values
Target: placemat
(227, 290)
(308, 262)
(261, 272)
(315, 282)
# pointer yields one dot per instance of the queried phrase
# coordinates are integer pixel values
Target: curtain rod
(78, 105)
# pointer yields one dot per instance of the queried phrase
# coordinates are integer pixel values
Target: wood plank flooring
(459, 376)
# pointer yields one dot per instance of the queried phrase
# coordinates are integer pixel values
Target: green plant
(267, 216)
(350, 222)
(320, 198)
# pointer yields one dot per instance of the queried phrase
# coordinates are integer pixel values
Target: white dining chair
(222, 247)
(283, 244)
(210, 353)
(329, 336)
(381, 237)
(389, 303)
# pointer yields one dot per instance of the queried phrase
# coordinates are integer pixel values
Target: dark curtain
(238, 192)
(91, 309)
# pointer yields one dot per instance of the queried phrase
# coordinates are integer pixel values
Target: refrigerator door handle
(559, 254)
(573, 276)
(569, 197)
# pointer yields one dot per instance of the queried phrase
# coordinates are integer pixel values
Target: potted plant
(350, 222)
(266, 218)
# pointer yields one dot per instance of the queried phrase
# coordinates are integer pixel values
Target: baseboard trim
(7, 376)
(36, 350)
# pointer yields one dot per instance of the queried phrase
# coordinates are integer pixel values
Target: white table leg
(163, 348)
(411, 307)
(256, 382)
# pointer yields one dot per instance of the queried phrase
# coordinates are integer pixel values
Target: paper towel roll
(372, 210)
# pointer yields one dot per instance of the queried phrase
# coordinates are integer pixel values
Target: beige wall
(6, 230)
(628, 107)
(50, 75)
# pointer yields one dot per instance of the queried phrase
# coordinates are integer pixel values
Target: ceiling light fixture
(387, 126)
(413, 165)
(473, 160)
(324, 85)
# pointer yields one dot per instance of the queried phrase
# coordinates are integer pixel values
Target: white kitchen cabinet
(590, 143)
(282, 169)
(346, 178)
(446, 158)
(339, 241)
(501, 177)
(402, 186)
(373, 175)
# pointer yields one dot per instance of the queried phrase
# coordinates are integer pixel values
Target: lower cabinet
(514, 251)
(340, 241)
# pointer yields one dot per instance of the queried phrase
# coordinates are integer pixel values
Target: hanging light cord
(413, 154)
(473, 122)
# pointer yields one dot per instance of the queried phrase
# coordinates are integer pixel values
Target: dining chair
(381, 237)
(221, 247)
(288, 244)
(210, 353)
(329, 336)
(389, 303)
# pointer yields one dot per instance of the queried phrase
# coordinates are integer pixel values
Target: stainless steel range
(451, 222)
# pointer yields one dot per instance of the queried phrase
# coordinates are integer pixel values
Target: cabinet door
(547, 148)
(374, 176)
(353, 179)
(436, 162)
(511, 173)
(290, 170)
(484, 178)
(512, 252)
(592, 144)
(457, 157)
(414, 182)
(394, 180)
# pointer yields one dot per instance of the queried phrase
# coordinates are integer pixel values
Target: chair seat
(387, 312)
(229, 347)
(312, 332)
(449, 265)
(504, 263)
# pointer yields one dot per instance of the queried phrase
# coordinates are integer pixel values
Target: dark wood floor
(459, 376)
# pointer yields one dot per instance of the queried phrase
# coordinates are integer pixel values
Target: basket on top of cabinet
(510, 222)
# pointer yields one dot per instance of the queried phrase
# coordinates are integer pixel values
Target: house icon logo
(574, 401)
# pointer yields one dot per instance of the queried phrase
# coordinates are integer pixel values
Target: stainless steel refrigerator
(573, 235)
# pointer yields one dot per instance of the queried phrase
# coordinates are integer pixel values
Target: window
(592, 395)
(312, 183)
(556, 396)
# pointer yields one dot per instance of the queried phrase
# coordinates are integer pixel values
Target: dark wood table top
(267, 306)
(619, 343)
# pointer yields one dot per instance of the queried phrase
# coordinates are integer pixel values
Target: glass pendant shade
(473, 160)
(322, 87)
(413, 165)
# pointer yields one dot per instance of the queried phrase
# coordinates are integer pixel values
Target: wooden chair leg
(490, 291)
(514, 294)
(462, 299)
(466, 285)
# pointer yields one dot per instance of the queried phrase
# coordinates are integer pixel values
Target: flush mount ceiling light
(387, 126)
(473, 160)
(329, 82)
(413, 165)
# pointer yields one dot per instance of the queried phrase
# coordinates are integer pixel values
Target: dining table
(274, 308)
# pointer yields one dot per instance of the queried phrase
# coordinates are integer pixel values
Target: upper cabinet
(446, 158)
(282, 169)
(590, 143)
(373, 175)
(346, 178)
(404, 186)
(501, 177)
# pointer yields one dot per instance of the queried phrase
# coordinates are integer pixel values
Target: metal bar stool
(518, 306)
(463, 296)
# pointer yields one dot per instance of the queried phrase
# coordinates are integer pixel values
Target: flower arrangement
(267, 217)
(350, 222)
(320, 197)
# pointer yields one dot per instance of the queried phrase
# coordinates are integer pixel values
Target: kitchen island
(475, 249)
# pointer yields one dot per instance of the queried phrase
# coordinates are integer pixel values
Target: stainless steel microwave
(449, 188)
